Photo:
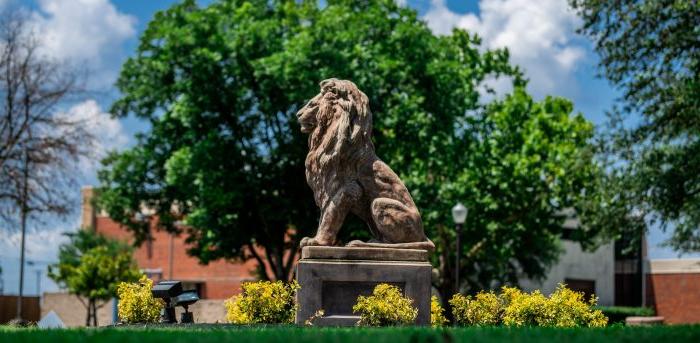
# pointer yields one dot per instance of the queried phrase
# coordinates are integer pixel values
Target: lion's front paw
(307, 241)
(310, 242)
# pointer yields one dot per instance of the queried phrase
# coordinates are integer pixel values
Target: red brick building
(164, 256)
(673, 290)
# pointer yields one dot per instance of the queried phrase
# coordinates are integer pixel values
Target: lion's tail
(424, 245)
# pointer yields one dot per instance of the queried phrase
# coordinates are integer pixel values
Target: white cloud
(540, 36)
(109, 132)
(89, 32)
(441, 20)
(40, 245)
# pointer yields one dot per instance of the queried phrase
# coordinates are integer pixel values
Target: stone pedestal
(331, 278)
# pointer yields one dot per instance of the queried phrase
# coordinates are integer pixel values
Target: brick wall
(673, 289)
(676, 297)
(221, 279)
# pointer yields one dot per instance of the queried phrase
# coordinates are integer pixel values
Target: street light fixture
(459, 215)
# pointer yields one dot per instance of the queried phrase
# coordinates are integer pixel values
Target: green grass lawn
(225, 334)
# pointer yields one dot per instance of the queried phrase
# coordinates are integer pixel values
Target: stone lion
(346, 175)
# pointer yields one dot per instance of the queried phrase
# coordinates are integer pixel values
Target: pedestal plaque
(331, 278)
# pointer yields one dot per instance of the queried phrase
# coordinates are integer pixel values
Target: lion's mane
(341, 142)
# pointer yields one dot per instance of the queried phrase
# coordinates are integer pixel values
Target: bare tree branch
(40, 147)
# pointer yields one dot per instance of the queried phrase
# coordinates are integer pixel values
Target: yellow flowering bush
(263, 302)
(569, 309)
(523, 309)
(513, 307)
(483, 309)
(437, 316)
(385, 307)
(136, 303)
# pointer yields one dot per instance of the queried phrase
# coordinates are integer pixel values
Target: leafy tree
(650, 50)
(220, 86)
(524, 163)
(92, 266)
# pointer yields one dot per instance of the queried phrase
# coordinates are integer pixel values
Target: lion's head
(339, 109)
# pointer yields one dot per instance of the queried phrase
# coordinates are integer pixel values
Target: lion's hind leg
(398, 226)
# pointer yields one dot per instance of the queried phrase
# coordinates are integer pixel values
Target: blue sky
(103, 33)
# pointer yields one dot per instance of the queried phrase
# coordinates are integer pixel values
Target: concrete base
(643, 321)
(331, 278)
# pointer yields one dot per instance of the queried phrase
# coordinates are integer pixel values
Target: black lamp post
(459, 215)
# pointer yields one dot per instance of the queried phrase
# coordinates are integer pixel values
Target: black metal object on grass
(172, 294)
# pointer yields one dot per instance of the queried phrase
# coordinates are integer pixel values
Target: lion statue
(346, 175)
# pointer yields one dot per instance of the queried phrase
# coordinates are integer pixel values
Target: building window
(628, 270)
(587, 287)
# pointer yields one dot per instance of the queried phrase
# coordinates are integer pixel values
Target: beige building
(611, 272)
(589, 272)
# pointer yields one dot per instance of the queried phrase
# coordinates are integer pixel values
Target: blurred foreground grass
(284, 334)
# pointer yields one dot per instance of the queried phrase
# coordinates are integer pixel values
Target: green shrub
(484, 309)
(263, 302)
(385, 307)
(513, 307)
(617, 314)
(437, 316)
(136, 303)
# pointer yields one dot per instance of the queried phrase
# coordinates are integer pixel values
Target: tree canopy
(650, 50)
(220, 86)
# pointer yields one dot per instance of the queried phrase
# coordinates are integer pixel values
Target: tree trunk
(89, 309)
(94, 313)
(276, 262)
(445, 287)
(91, 319)
(446, 294)
(23, 213)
